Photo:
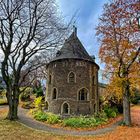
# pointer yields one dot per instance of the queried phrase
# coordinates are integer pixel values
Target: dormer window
(71, 77)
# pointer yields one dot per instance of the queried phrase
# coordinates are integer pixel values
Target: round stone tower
(72, 87)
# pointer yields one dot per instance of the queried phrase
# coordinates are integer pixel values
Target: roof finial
(75, 30)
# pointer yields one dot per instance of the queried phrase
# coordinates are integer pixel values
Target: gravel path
(60, 131)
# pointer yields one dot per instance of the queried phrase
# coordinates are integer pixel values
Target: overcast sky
(86, 21)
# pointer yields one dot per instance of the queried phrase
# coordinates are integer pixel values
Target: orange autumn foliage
(119, 35)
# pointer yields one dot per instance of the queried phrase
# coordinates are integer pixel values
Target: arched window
(93, 80)
(94, 108)
(82, 95)
(65, 109)
(54, 94)
(71, 77)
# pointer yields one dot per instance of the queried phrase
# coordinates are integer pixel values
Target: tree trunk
(126, 105)
(13, 100)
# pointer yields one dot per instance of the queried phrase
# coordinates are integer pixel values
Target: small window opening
(54, 93)
(65, 108)
(83, 94)
(50, 79)
(71, 78)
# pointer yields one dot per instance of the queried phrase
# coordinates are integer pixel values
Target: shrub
(115, 102)
(113, 114)
(38, 103)
(40, 115)
(101, 115)
(135, 100)
(38, 91)
(76, 122)
(110, 112)
(83, 121)
(73, 122)
(135, 96)
(43, 116)
(52, 118)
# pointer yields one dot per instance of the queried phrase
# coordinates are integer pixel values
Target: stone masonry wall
(68, 92)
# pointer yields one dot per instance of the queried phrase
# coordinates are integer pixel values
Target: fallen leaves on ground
(15, 131)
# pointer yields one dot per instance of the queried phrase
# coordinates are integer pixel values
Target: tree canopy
(27, 27)
(119, 35)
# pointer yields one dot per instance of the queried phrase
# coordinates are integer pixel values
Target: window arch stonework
(83, 94)
(65, 108)
(71, 77)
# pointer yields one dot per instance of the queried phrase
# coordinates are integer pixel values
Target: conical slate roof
(73, 49)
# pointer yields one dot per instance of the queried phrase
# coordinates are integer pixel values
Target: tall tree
(42, 61)
(36, 68)
(119, 34)
(27, 27)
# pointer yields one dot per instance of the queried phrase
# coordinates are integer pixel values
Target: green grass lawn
(15, 131)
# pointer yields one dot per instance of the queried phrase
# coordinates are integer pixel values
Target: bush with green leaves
(111, 112)
(76, 122)
(135, 100)
(37, 89)
(115, 102)
(84, 121)
(50, 118)
(38, 103)
(112, 101)
(40, 115)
